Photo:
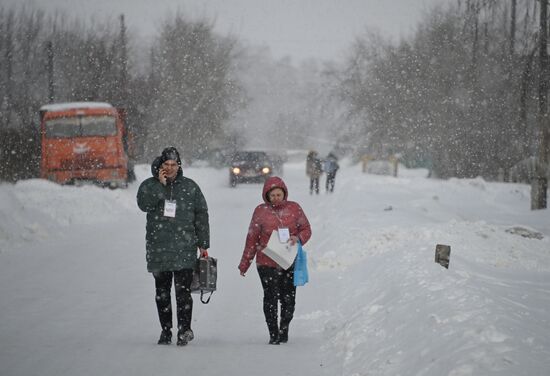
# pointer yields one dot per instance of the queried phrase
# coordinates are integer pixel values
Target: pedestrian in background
(314, 169)
(331, 166)
(288, 219)
(177, 227)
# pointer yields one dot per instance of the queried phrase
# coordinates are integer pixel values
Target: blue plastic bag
(301, 275)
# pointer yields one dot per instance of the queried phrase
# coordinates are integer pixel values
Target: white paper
(282, 253)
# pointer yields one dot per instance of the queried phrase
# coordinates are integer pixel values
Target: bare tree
(461, 92)
(195, 86)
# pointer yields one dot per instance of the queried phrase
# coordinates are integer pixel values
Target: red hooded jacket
(268, 217)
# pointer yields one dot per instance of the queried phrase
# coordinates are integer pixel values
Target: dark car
(250, 167)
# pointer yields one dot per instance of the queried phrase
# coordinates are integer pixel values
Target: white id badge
(284, 234)
(169, 208)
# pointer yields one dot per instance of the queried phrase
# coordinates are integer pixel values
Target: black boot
(274, 339)
(165, 337)
(184, 337)
(273, 335)
(283, 334)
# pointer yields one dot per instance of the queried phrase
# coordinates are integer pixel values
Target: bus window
(82, 126)
(98, 126)
(62, 127)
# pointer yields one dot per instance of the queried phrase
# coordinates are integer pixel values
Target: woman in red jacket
(287, 217)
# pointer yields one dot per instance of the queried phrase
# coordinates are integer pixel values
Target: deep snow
(76, 298)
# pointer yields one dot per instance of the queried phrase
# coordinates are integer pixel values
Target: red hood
(274, 182)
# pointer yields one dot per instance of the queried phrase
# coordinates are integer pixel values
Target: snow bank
(36, 209)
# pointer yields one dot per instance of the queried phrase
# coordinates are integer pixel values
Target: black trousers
(330, 182)
(314, 185)
(184, 301)
(278, 288)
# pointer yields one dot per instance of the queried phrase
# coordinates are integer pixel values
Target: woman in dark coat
(276, 213)
(177, 225)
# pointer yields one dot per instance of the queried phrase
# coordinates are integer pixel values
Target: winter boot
(273, 335)
(165, 337)
(184, 336)
(274, 339)
(283, 334)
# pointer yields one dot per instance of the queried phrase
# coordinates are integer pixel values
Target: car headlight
(236, 170)
(265, 170)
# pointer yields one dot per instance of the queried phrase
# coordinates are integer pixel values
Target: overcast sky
(296, 28)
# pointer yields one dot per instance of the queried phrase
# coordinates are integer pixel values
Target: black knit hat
(170, 154)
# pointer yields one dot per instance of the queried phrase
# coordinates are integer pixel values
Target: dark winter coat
(331, 165)
(268, 217)
(171, 243)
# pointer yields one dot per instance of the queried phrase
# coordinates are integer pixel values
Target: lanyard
(278, 218)
(170, 206)
(171, 189)
(283, 231)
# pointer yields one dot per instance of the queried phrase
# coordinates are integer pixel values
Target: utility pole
(539, 184)
(49, 67)
(513, 28)
(122, 95)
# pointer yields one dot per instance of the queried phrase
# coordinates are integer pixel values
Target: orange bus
(83, 141)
